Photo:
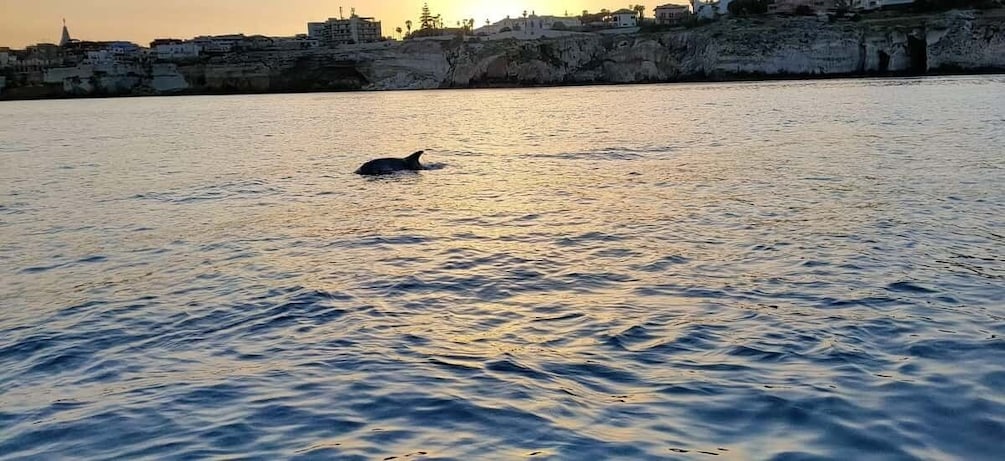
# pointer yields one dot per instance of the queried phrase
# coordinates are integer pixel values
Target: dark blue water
(809, 270)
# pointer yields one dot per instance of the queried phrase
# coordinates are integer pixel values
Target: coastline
(730, 50)
(733, 79)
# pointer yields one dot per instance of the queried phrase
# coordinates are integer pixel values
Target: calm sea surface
(795, 270)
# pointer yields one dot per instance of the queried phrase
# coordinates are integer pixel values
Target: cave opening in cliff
(884, 60)
(917, 48)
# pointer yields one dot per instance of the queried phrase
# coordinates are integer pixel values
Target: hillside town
(72, 62)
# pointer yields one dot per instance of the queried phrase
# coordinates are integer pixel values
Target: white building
(710, 9)
(218, 43)
(99, 57)
(624, 18)
(316, 30)
(337, 31)
(529, 26)
(671, 14)
(177, 51)
(39, 57)
(123, 48)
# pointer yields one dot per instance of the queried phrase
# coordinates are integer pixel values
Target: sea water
(788, 270)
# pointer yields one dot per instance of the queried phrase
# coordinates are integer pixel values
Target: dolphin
(390, 165)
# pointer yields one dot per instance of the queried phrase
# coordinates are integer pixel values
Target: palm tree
(398, 30)
(408, 25)
(641, 10)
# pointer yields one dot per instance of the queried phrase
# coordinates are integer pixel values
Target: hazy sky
(25, 22)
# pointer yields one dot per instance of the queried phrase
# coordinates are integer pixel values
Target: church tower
(65, 39)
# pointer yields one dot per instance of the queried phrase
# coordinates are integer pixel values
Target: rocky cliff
(739, 48)
(969, 41)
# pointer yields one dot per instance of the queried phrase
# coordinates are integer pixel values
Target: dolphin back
(390, 165)
(413, 161)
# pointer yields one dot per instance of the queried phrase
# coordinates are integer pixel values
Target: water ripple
(814, 275)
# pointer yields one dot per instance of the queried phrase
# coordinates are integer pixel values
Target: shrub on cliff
(946, 5)
(748, 7)
(804, 10)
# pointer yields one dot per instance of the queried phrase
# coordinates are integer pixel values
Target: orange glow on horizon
(40, 21)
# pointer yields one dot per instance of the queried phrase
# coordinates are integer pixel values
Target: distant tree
(588, 17)
(640, 10)
(398, 30)
(408, 25)
(426, 19)
(525, 13)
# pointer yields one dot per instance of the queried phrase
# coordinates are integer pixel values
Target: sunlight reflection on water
(757, 270)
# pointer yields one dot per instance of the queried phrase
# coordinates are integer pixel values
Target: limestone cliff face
(961, 42)
(165, 78)
(412, 65)
(727, 49)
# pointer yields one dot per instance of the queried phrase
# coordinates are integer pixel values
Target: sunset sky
(25, 22)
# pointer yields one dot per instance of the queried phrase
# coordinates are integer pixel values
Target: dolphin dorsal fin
(413, 160)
